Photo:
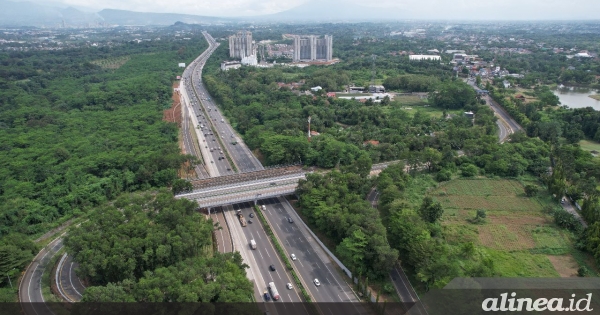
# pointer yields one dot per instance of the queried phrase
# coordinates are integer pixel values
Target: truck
(273, 290)
(241, 217)
(253, 244)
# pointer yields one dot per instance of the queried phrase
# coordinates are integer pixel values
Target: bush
(531, 190)
(443, 175)
(566, 220)
(469, 170)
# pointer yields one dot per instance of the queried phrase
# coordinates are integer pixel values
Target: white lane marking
(261, 256)
(301, 263)
(277, 272)
(71, 280)
(268, 253)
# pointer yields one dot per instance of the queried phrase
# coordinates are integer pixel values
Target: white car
(317, 283)
(293, 256)
(289, 286)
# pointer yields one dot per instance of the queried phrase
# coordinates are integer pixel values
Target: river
(575, 97)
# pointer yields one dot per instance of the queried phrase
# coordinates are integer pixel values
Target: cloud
(418, 9)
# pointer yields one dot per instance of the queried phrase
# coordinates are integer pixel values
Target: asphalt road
(188, 144)
(244, 160)
(69, 285)
(506, 123)
(30, 288)
(311, 261)
(223, 235)
(214, 157)
(260, 259)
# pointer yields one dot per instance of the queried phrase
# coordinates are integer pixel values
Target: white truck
(273, 290)
(253, 244)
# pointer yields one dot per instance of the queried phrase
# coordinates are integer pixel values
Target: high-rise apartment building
(311, 47)
(241, 45)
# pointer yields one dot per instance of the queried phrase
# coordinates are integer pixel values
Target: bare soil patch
(565, 265)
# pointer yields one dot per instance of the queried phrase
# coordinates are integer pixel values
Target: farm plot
(515, 227)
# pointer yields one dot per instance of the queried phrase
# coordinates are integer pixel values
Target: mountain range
(32, 14)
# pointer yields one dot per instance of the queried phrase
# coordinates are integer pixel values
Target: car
(264, 207)
(317, 283)
(267, 296)
(272, 267)
(212, 162)
(250, 221)
(289, 286)
(290, 220)
(293, 257)
(273, 184)
(252, 215)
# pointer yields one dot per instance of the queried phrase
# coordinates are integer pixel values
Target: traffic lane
(334, 283)
(309, 264)
(218, 232)
(68, 280)
(265, 255)
(30, 288)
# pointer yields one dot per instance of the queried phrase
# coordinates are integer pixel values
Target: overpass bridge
(251, 186)
(249, 190)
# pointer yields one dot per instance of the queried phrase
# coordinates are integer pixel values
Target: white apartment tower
(241, 45)
(311, 48)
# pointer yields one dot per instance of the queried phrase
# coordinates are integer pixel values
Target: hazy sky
(421, 9)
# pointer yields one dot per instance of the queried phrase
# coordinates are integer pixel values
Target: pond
(575, 97)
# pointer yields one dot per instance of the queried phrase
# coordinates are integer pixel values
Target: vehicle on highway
(273, 184)
(264, 207)
(267, 296)
(212, 162)
(273, 290)
(249, 221)
(252, 215)
(290, 220)
(317, 283)
(253, 244)
(272, 267)
(293, 256)
(289, 286)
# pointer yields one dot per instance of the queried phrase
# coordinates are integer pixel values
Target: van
(252, 244)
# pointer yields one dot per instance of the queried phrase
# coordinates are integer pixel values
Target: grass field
(520, 237)
(589, 145)
(596, 97)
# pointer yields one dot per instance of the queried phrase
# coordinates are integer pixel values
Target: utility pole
(308, 128)
(372, 87)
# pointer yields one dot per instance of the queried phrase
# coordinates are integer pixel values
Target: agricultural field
(517, 233)
(111, 63)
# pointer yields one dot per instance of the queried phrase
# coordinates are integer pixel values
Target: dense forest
(153, 248)
(76, 134)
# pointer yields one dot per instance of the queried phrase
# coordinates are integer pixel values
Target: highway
(189, 147)
(223, 236)
(260, 260)
(244, 160)
(311, 261)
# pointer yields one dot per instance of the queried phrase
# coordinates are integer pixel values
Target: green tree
(430, 211)
(531, 190)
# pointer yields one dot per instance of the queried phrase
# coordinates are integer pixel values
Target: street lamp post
(8, 275)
